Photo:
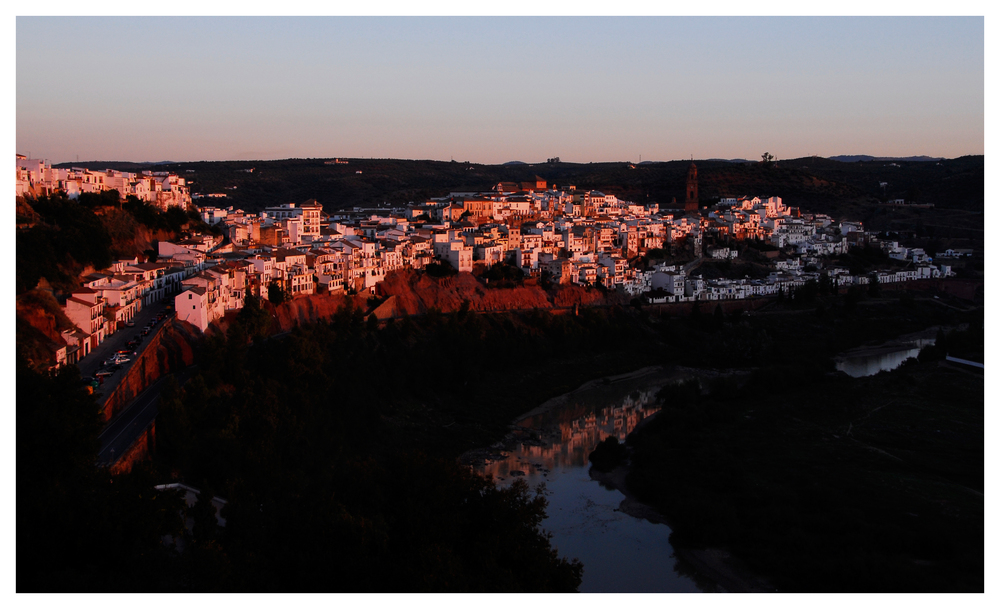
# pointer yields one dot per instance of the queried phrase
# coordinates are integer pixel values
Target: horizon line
(512, 161)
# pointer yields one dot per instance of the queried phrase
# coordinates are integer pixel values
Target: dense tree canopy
(79, 528)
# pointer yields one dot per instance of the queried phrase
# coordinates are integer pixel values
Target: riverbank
(912, 340)
(714, 566)
(876, 499)
(540, 425)
(561, 400)
(711, 569)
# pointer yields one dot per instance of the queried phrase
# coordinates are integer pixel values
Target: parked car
(129, 324)
(103, 373)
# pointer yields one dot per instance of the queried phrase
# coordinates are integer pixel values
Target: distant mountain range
(853, 158)
(119, 165)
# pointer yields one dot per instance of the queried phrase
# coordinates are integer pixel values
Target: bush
(608, 455)
(440, 269)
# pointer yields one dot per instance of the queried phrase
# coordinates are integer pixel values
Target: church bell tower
(691, 202)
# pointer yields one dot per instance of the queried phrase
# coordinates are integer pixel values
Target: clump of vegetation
(503, 275)
(609, 454)
(80, 528)
(355, 469)
(68, 236)
(825, 483)
(93, 230)
(441, 268)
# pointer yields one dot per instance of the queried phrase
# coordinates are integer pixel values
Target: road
(94, 360)
(123, 430)
(690, 266)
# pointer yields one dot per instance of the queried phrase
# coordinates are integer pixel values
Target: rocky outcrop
(575, 295)
(415, 293)
(41, 311)
(310, 309)
(40, 322)
(409, 292)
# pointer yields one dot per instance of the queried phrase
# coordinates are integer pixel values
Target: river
(866, 361)
(550, 445)
(624, 546)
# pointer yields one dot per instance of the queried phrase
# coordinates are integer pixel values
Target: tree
(873, 287)
(203, 514)
(719, 314)
(807, 293)
(254, 318)
(767, 159)
(79, 527)
(852, 298)
(275, 294)
(441, 268)
(824, 285)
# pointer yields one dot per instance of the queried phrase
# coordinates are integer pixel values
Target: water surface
(881, 359)
(550, 446)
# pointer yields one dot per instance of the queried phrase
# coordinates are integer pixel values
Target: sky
(497, 89)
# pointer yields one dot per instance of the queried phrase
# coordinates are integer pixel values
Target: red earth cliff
(409, 292)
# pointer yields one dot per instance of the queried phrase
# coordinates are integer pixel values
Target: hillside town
(36, 177)
(561, 235)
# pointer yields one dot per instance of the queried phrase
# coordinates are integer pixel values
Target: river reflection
(869, 364)
(568, 439)
(620, 553)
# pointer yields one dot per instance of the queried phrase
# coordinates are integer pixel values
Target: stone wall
(140, 450)
(169, 350)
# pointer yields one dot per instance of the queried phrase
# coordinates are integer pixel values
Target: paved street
(119, 435)
(93, 362)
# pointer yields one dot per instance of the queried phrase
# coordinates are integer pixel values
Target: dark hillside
(950, 183)
(812, 183)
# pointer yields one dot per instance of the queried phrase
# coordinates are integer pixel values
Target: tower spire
(691, 201)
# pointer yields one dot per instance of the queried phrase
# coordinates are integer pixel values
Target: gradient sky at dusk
(492, 90)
